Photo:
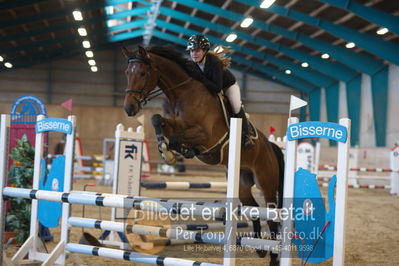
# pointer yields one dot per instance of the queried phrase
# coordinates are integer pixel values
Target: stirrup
(247, 142)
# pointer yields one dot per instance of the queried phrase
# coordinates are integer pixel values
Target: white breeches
(234, 96)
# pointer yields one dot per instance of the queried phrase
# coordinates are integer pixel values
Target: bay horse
(194, 124)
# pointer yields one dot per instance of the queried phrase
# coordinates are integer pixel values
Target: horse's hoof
(166, 154)
(168, 157)
(261, 253)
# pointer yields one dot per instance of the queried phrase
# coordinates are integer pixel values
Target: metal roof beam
(129, 13)
(174, 4)
(17, 4)
(371, 14)
(51, 55)
(310, 75)
(55, 28)
(68, 38)
(128, 25)
(151, 23)
(341, 72)
(119, 2)
(187, 23)
(50, 14)
(214, 18)
(127, 35)
(381, 48)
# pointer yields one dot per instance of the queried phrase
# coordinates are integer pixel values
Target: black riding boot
(246, 137)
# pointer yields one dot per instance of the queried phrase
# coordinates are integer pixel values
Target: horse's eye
(142, 74)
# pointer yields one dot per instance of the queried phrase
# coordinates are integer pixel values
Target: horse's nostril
(130, 110)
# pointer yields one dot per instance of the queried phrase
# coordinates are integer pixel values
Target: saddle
(215, 153)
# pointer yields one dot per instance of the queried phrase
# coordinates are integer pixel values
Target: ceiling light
(287, 71)
(92, 62)
(325, 56)
(267, 3)
(109, 10)
(350, 45)
(8, 65)
(77, 15)
(1, 59)
(82, 32)
(304, 64)
(86, 44)
(231, 37)
(382, 31)
(89, 54)
(94, 69)
(246, 22)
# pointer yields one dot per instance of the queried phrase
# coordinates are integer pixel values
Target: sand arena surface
(372, 236)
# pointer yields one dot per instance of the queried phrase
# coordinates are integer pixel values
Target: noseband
(153, 93)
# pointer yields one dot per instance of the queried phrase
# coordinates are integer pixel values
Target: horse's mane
(171, 54)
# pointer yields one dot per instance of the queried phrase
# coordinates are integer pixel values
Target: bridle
(143, 101)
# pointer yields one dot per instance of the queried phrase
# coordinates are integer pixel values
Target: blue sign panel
(25, 110)
(317, 129)
(54, 124)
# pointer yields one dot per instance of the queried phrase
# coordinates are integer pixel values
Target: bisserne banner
(317, 129)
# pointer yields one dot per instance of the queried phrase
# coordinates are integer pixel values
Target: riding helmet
(198, 42)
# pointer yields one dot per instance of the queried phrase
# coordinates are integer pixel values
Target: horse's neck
(171, 76)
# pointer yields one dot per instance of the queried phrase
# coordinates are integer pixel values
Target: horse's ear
(127, 52)
(143, 52)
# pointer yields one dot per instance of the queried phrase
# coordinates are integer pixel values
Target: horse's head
(141, 80)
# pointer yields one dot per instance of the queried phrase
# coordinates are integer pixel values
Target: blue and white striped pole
(133, 256)
(178, 233)
(183, 185)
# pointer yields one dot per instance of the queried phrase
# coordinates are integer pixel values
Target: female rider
(217, 78)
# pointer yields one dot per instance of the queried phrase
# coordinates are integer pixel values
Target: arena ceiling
(304, 44)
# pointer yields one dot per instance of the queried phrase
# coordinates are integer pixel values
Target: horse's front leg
(183, 138)
(161, 125)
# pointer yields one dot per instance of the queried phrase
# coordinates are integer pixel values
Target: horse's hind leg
(269, 189)
(247, 199)
(158, 123)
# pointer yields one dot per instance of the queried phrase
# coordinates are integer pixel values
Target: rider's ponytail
(221, 53)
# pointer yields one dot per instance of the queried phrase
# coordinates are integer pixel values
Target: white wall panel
(367, 131)
(393, 106)
(342, 104)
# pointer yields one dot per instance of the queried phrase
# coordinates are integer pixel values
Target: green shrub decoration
(20, 175)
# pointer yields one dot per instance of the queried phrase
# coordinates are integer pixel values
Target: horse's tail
(280, 159)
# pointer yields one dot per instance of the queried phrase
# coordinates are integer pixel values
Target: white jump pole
(233, 179)
(4, 131)
(341, 196)
(288, 195)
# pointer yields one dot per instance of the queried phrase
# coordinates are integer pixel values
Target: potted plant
(21, 175)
